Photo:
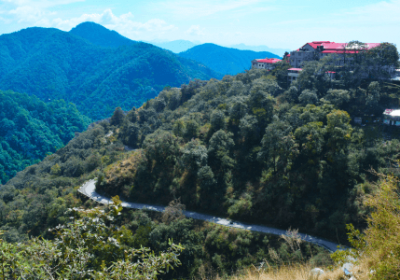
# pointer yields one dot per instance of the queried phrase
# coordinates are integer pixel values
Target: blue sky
(274, 23)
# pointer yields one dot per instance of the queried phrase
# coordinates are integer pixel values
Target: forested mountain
(100, 36)
(45, 195)
(53, 64)
(224, 60)
(250, 147)
(31, 129)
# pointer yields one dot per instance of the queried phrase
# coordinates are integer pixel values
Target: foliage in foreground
(377, 249)
(375, 253)
(90, 246)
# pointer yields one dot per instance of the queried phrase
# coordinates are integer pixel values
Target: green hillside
(44, 195)
(224, 60)
(249, 147)
(31, 129)
(53, 64)
(100, 36)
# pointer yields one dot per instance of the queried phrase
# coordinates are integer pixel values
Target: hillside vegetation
(31, 129)
(224, 60)
(53, 64)
(38, 198)
(249, 146)
(236, 147)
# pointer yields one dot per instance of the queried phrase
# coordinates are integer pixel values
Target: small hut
(391, 117)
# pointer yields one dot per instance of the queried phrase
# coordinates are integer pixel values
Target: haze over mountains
(178, 46)
(224, 60)
(98, 69)
(53, 64)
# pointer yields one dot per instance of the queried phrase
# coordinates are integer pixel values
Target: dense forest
(224, 60)
(31, 129)
(53, 64)
(251, 147)
(39, 198)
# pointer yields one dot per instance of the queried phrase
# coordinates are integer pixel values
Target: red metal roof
(269, 60)
(339, 51)
(332, 47)
(330, 72)
(316, 44)
(295, 69)
(343, 47)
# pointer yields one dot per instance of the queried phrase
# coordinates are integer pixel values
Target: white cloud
(195, 30)
(124, 24)
(43, 13)
(198, 9)
(40, 3)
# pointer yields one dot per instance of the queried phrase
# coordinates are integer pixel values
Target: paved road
(89, 190)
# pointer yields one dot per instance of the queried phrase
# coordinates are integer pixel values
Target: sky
(273, 23)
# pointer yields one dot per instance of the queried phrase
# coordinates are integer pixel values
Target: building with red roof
(318, 49)
(266, 63)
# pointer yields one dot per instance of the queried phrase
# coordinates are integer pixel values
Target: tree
(373, 96)
(217, 120)
(292, 94)
(194, 156)
(261, 104)
(339, 130)
(308, 97)
(249, 129)
(337, 97)
(118, 117)
(219, 148)
(277, 144)
(129, 133)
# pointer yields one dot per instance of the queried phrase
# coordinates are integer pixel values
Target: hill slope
(53, 64)
(100, 36)
(237, 148)
(30, 129)
(224, 60)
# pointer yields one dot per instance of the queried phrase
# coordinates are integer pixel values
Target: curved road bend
(88, 189)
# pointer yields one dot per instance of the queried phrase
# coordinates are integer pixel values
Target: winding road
(89, 189)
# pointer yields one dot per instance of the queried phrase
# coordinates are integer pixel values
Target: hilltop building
(293, 74)
(319, 49)
(266, 63)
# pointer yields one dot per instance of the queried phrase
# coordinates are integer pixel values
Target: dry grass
(125, 168)
(302, 272)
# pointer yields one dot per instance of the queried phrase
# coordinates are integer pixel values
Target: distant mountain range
(178, 46)
(91, 66)
(224, 60)
(278, 52)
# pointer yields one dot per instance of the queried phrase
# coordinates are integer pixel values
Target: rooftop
(268, 60)
(295, 69)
